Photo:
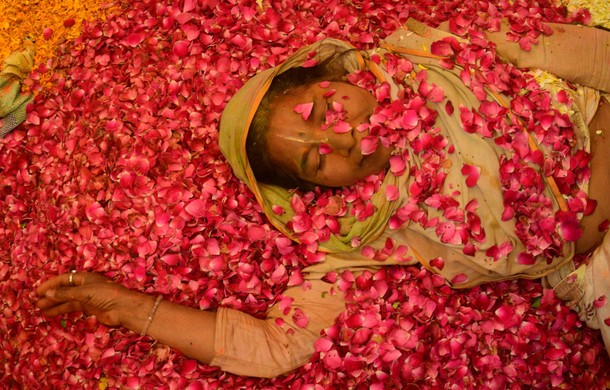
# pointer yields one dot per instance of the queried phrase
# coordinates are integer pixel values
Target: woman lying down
(460, 161)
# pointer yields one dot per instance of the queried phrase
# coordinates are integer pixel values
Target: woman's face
(319, 147)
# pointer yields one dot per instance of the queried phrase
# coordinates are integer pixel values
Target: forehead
(282, 111)
(288, 133)
(295, 95)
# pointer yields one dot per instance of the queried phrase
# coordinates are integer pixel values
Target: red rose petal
(134, 39)
(181, 49)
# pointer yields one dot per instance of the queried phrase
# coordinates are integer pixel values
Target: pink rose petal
(342, 127)
(304, 109)
(472, 173)
(368, 145)
(196, 208)
(325, 149)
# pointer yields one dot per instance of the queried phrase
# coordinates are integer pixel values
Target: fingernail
(50, 293)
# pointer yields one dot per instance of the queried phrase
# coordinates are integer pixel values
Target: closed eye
(321, 162)
(310, 161)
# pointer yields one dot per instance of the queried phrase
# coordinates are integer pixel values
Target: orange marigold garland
(48, 23)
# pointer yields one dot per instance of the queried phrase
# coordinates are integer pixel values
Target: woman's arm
(190, 330)
(579, 54)
(232, 340)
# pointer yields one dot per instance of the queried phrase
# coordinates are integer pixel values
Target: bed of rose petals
(117, 170)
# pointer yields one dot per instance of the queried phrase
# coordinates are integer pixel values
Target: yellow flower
(600, 11)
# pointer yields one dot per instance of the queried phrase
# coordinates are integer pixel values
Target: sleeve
(579, 54)
(279, 343)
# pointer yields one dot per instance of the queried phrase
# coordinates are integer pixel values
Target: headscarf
(234, 127)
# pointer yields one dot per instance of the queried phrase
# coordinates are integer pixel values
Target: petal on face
(368, 145)
(325, 149)
(342, 127)
(304, 109)
(329, 93)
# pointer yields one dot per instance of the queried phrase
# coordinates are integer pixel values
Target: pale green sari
(12, 101)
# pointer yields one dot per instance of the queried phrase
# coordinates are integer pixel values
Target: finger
(53, 298)
(62, 294)
(63, 308)
(49, 304)
(69, 279)
(73, 278)
(52, 283)
(45, 303)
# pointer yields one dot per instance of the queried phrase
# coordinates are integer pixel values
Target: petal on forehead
(329, 93)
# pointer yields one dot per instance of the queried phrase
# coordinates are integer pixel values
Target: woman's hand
(90, 293)
(190, 330)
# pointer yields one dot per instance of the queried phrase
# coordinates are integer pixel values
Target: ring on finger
(71, 278)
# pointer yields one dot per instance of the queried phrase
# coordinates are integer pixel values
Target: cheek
(342, 170)
(281, 155)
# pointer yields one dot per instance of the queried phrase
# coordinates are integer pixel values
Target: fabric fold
(13, 101)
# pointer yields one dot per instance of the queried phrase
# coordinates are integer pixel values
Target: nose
(341, 143)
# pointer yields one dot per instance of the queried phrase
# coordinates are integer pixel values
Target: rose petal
(304, 109)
